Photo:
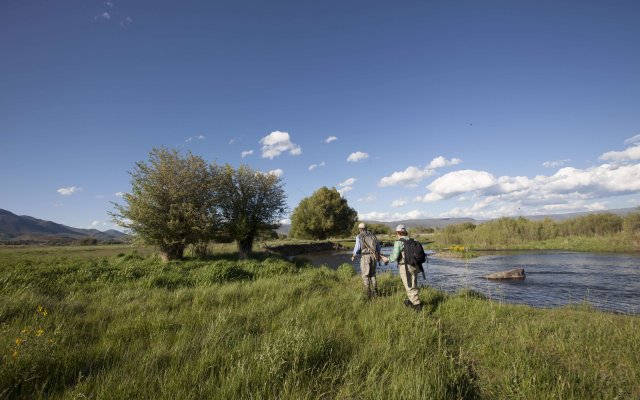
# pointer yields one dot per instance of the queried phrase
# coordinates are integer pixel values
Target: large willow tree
(170, 203)
(249, 203)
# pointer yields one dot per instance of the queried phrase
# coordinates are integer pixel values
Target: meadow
(115, 322)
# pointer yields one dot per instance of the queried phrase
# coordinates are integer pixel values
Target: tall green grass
(128, 326)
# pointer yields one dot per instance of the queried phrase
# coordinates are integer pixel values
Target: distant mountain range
(443, 222)
(24, 229)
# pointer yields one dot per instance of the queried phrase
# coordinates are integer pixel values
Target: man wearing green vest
(368, 247)
(408, 273)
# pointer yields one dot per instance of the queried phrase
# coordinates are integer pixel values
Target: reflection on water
(607, 281)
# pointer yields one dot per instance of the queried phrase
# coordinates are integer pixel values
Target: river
(608, 281)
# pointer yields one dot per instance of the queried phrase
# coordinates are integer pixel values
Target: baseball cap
(400, 228)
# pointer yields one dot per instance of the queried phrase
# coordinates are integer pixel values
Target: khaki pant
(368, 271)
(409, 276)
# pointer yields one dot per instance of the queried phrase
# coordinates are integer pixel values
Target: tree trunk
(244, 248)
(171, 252)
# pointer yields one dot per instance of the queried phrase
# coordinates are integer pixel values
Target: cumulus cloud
(569, 189)
(458, 182)
(246, 153)
(68, 191)
(95, 224)
(330, 139)
(344, 190)
(357, 156)
(119, 194)
(555, 164)
(411, 176)
(388, 217)
(314, 166)
(629, 154)
(440, 162)
(277, 143)
(276, 172)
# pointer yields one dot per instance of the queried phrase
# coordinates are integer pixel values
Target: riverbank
(129, 326)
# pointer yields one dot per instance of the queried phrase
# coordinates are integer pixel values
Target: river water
(608, 281)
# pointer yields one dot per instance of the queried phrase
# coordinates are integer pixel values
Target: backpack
(414, 253)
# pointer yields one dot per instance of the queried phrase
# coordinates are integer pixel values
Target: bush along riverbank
(130, 326)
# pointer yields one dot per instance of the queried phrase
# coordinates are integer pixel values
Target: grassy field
(117, 323)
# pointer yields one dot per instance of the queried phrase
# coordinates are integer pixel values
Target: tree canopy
(169, 204)
(249, 202)
(322, 215)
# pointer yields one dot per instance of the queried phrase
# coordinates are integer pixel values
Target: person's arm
(395, 254)
(356, 248)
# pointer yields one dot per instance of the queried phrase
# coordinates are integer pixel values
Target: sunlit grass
(128, 326)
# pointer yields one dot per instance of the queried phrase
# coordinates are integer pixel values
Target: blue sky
(438, 108)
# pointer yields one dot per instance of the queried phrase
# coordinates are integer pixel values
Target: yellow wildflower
(15, 354)
(25, 331)
(40, 332)
(19, 341)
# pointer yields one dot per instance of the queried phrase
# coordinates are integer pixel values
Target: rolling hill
(24, 229)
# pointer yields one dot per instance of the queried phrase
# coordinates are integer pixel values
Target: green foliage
(346, 271)
(170, 203)
(600, 232)
(376, 229)
(322, 215)
(249, 203)
(132, 327)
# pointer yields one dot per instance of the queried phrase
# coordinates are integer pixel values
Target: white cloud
(357, 156)
(199, 137)
(400, 202)
(314, 166)
(555, 164)
(629, 154)
(345, 189)
(633, 140)
(277, 143)
(95, 224)
(440, 162)
(286, 221)
(408, 178)
(458, 182)
(348, 182)
(369, 199)
(119, 194)
(108, 3)
(104, 15)
(411, 176)
(68, 191)
(246, 153)
(232, 141)
(276, 172)
(330, 139)
(388, 217)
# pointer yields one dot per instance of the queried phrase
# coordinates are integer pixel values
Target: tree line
(516, 231)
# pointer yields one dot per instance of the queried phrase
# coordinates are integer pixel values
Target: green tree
(322, 215)
(170, 203)
(249, 203)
